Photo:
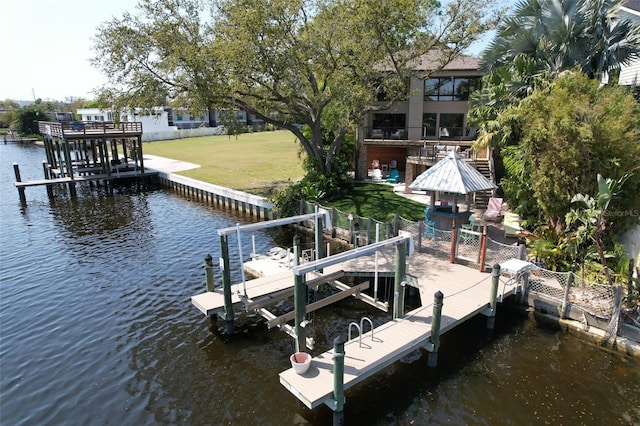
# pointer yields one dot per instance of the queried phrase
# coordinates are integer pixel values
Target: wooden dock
(466, 294)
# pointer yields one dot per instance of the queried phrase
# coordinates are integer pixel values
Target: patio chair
(430, 225)
(393, 176)
(494, 209)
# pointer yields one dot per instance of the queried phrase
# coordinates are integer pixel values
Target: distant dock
(87, 152)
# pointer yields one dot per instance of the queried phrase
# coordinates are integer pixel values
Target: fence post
(522, 251)
(421, 228)
(396, 224)
(565, 298)
(483, 247)
(452, 252)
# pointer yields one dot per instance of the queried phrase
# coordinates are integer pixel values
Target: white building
(630, 74)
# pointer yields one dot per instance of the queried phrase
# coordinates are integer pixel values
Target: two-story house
(412, 134)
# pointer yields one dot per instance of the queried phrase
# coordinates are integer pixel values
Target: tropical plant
(590, 222)
(565, 133)
(558, 35)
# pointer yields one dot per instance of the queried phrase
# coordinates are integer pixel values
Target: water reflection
(97, 328)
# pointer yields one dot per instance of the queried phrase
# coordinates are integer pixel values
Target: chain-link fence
(596, 299)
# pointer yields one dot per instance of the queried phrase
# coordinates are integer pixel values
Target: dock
(466, 294)
(449, 293)
(87, 152)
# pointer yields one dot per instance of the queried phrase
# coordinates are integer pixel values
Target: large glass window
(450, 88)
(451, 125)
(429, 124)
(392, 125)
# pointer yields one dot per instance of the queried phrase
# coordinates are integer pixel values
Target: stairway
(481, 198)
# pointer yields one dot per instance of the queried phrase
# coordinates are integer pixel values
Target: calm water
(97, 328)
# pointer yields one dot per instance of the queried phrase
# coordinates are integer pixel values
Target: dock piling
(338, 381)
(208, 271)
(400, 273)
(438, 298)
(16, 171)
(495, 281)
(226, 283)
(45, 170)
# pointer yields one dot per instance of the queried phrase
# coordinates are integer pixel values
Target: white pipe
(244, 283)
(375, 274)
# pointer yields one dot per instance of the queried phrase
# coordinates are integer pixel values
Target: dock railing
(596, 300)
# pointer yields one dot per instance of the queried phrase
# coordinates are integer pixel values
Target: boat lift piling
(495, 281)
(224, 256)
(434, 340)
(208, 271)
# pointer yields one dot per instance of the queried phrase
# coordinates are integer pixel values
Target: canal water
(96, 327)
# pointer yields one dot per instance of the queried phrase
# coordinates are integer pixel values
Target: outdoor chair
(393, 176)
(494, 209)
(430, 225)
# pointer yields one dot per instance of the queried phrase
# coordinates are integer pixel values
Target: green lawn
(258, 162)
(252, 162)
(377, 201)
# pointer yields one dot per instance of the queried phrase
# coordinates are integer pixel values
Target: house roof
(433, 59)
(632, 4)
(454, 175)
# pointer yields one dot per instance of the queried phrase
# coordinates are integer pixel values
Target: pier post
(438, 298)
(45, 170)
(319, 229)
(16, 171)
(208, 271)
(401, 271)
(300, 306)
(226, 283)
(338, 381)
(493, 297)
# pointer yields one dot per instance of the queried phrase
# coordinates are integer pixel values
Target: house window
(429, 124)
(390, 124)
(453, 123)
(450, 88)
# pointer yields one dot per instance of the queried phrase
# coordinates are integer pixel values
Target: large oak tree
(320, 63)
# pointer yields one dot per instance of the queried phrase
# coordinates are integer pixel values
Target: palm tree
(558, 35)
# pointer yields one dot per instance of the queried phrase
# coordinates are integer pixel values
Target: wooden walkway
(212, 302)
(78, 179)
(466, 293)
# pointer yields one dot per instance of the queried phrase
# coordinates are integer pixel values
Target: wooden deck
(78, 179)
(466, 293)
(212, 302)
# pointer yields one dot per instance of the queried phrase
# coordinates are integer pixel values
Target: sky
(46, 45)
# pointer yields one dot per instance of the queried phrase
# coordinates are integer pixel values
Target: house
(412, 134)
(630, 74)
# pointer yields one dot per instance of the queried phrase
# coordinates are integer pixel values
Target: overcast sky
(45, 47)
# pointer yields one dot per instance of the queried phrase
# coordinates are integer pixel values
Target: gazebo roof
(454, 175)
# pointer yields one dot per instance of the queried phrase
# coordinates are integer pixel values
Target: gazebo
(455, 176)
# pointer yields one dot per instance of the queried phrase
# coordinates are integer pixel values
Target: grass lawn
(252, 162)
(377, 201)
(259, 162)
